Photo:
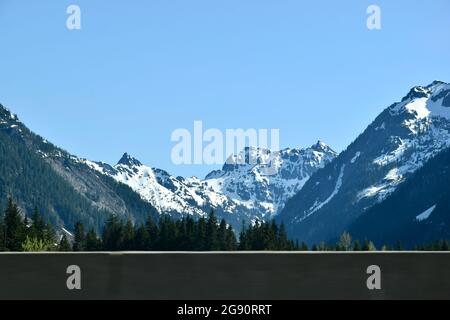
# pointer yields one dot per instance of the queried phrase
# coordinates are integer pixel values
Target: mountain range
(239, 192)
(401, 140)
(388, 185)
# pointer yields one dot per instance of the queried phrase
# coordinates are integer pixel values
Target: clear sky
(137, 70)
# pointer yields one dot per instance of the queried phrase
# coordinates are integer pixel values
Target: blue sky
(137, 70)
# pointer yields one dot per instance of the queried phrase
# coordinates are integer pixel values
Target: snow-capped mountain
(268, 185)
(401, 140)
(169, 195)
(243, 190)
(252, 185)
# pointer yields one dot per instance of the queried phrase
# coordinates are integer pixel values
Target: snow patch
(357, 155)
(317, 206)
(426, 214)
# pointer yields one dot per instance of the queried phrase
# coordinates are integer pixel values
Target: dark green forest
(34, 234)
(30, 177)
(167, 234)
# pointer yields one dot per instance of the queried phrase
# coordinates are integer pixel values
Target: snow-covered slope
(166, 193)
(256, 186)
(400, 141)
(242, 190)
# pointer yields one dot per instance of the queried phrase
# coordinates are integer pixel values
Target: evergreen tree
(49, 234)
(345, 242)
(200, 239)
(112, 234)
(15, 229)
(212, 243)
(222, 237)
(142, 239)
(399, 246)
(64, 245)
(303, 247)
(167, 235)
(128, 237)
(2, 232)
(191, 233)
(368, 246)
(153, 234)
(357, 246)
(93, 243)
(38, 228)
(80, 238)
(243, 240)
(323, 246)
(231, 242)
(283, 242)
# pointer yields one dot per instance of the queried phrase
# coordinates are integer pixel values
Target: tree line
(168, 234)
(23, 234)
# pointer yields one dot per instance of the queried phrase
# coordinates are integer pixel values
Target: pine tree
(223, 233)
(357, 246)
(37, 228)
(212, 243)
(191, 233)
(243, 239)
(369, 246)
(200, 238)
(93, 243)
(80, 237)
(231, 242)
(303, 247)
(2, 232)
(112, 234)
(15, 229)
(323, 246)
(64, 245)
(283, 242)
(128, 237)
(153, 234)
(399, 246)
(345, 242)
(142, 240)
(49, 234)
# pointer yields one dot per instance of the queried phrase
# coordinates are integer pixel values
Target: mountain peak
(417, 92)
(425, 102)
(5, 114)
(436, 82)
(321, 146)
(128, 160)
(424, 91)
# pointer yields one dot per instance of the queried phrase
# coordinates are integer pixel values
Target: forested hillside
(418, 212)
(38, 174)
